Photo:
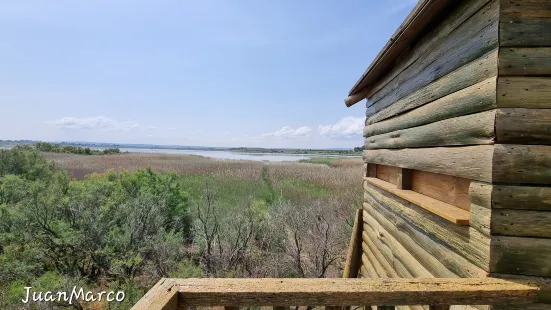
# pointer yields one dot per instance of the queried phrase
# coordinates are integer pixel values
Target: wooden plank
(468, 42)
(473, 99)
(521, 255)
(521, 197)
(380, 237)
(343, 292)
(472, 129)
(444, 210)
(470, 162)
(525, 61)
(427, 43)
(162, 296)
(522, 223)
(461, 249)
(387, 173)
(523, 126)
(404, 178)
(530, 164)
(449, 189)
(524, 92)
(352, 265)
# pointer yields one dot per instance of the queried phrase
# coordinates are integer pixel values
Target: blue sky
(208, 72)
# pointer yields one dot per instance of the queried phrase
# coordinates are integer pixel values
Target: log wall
(471, 100)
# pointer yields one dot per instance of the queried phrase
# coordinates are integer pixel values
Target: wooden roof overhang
(425, 13)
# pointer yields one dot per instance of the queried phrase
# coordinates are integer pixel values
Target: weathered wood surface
(446, 188)
(523, 223)
(444, 210)
(388, 173)
(342, 292)
(162, 296)
(469, 254)
(533, 306)
(521, 197)
(472, 129)
(525, 61)
(530, 164)
(524, 92)
(476, 71)
(371, 262)
(525, 23)
(353, 262)
(369, 248)
(451, 22)
(473, 99)
(398, 44)
(521, 255)
(471, 162)
(523, 126)
(480, 194)
(480, 219)
(477, 36)
(382, 238)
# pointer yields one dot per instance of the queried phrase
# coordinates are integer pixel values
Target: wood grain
(525, 61)
(523, 126)
(461, 249)
(521, 255)
(388, 173)
(446, 188)
(521, 197)
(524, 92)
(469, 41)
(473, 99)
(472, 129)
(470, 162)
(522, 223)
(162, 296)
(529, 164)
(525, 32)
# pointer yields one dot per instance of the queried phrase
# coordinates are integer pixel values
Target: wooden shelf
(444, 210)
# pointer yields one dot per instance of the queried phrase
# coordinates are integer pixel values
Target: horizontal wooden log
(472, 129)
(444, 210)
(343, 292)
(525, 61)
(530, 164)
(473, 99)
(452, 21)
(469, 254)
(477, 36)
(376, 233)
(522, 223)
(521, 197)
(477, 71)
(525, 32)
(521, 255)
(513, 10)
(471, 162)
(524, 92)
(480, 219)
(523, 126)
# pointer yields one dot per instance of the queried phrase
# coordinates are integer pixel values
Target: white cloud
(290, 133)
(100, 123)
(347, 128)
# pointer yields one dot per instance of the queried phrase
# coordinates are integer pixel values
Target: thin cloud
(290, 133)
(100, 123)
(347, 128)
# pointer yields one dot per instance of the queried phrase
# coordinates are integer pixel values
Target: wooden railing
(171, 294)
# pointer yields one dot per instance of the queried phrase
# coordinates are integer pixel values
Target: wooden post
(353, 257)
(371, 170)
(404, 179)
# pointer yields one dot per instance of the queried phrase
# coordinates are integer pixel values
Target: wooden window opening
(444, 195)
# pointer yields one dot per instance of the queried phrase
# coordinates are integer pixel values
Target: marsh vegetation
(123, 221)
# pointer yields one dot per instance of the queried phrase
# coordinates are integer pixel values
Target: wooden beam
(444, 210)
(342, 292)
(353, 257)
(404, 178)
(162, 296)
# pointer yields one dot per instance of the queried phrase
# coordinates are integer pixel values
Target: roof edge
(425, 12)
